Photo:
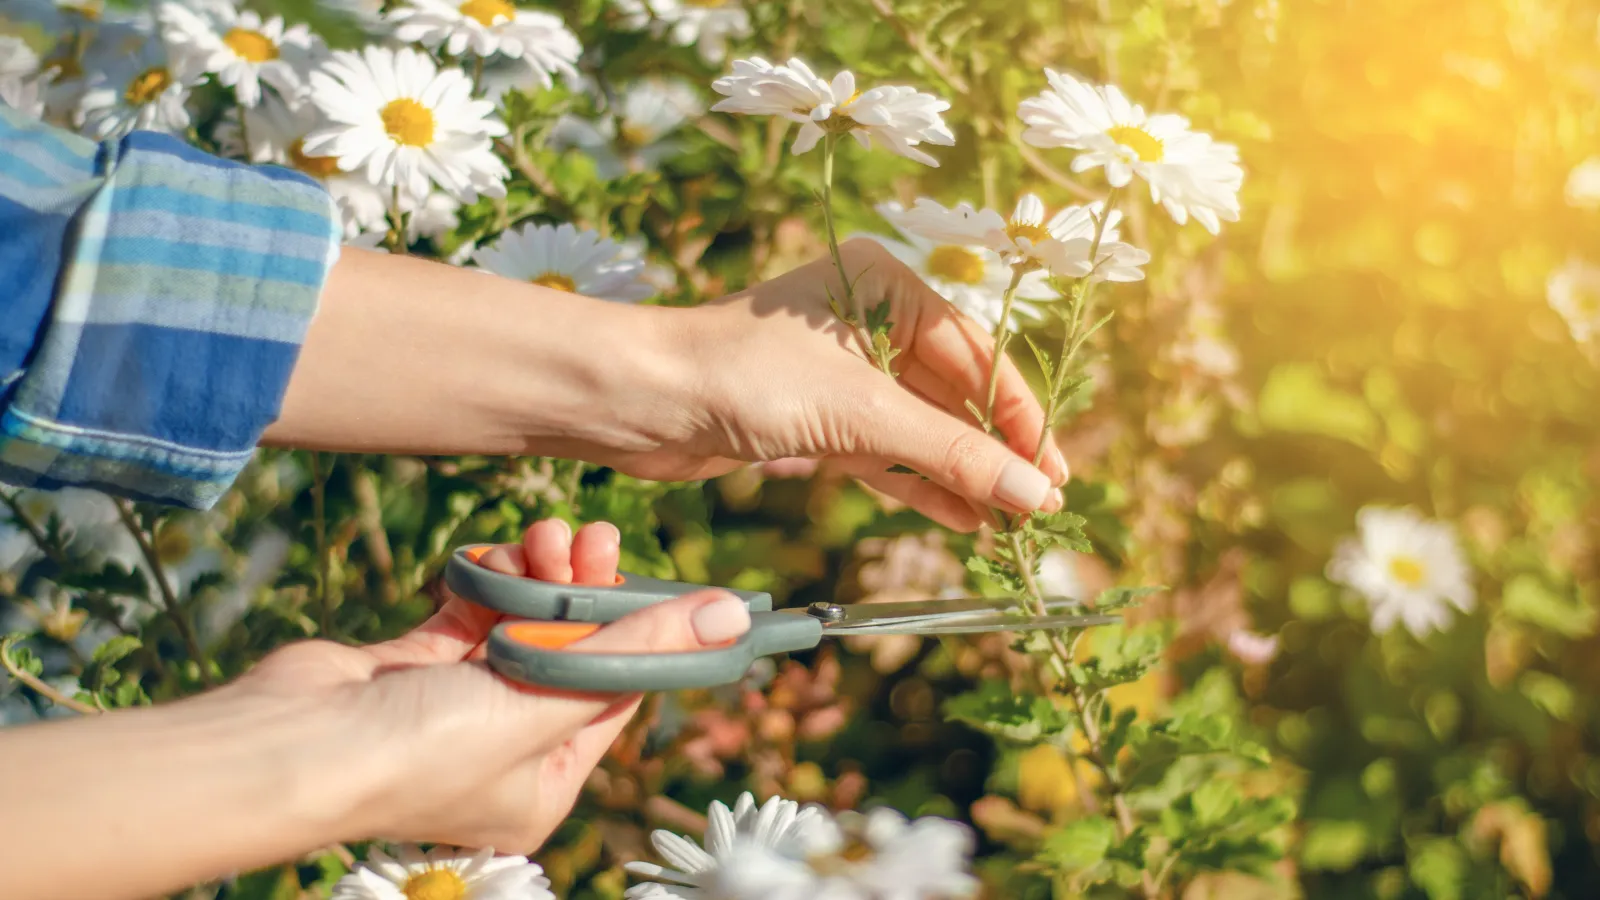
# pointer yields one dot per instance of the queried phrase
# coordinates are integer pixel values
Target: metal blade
(852, 614)
(968, 623)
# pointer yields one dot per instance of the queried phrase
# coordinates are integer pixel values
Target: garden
(1309, 294)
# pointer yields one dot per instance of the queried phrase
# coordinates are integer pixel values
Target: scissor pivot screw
(827, 612)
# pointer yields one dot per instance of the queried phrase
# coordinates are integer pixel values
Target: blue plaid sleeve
(153, 300)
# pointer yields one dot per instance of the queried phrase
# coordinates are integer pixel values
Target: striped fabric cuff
(186, 292)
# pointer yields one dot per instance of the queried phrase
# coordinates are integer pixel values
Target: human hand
(458, 754)
(782, 377)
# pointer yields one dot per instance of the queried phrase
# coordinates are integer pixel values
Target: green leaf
(1062, 529)
(1528, 598)
(1439, 868)
(1213, 801)
(1078, 845)
(997, 710)
(1333, 845)
(114, 650)
(1043, 359)
(1122, 597)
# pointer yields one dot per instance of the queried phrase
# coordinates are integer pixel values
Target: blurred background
(1403, 317)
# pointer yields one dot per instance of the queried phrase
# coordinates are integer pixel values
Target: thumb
(696, 621)
(906, 430)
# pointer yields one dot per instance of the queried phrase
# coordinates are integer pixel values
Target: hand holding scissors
(548, 617)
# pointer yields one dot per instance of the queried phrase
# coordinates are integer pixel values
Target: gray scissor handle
(530, 598)
(529, 652)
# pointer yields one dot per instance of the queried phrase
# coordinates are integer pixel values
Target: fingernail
(722, 619)
(613, 533)
(1061, 460)
(1054, 501)
(565, 526)
(1022, 486)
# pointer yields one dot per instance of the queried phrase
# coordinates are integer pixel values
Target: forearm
(410, 356)
(140, 803)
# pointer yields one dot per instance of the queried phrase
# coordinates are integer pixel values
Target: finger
(547, 547)
(595, 554)
(695, 621)
(955, 349)
(449, 635)
(891, 423)
(937, 503)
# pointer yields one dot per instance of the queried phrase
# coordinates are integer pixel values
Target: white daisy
(17, 59)
(705, 24)
(1188, 172)
(633, 137)
(144, 92)
(972, 278)
(900, 118)
(1062, 245)
(1408, 568)
(776, 822)
(241, 49)
(26, 95)
(487, 27)
(1583, 185)
(876, 856)
(564, 258)
(1573, 291)
(444, 873)
(407, 122)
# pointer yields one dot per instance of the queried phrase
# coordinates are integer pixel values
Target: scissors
(548, 617)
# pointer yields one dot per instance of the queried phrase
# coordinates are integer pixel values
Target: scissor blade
(968, 623)
(868, 613)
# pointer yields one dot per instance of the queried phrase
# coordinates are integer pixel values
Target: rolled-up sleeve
(154, 300)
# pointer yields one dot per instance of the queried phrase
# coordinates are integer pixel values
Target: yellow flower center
(556, 280)
(1408, 570)
(65, 63)
(1587, 302)
(63, 623)
(408, 122)
(1034, 233)
(252, 46)
(957, 264)
(488, 12)
(315, 166)
(1147, 147)
(854, 851)
(435, 884)
(634, 135)
(705, 4)
(90, 11)
(147, 86)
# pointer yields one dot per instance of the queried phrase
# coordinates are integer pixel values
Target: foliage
(1373, 331)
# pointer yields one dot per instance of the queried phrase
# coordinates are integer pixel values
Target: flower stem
(1002, 337)
(169, 600)
(396, 238)
(477, 75)
(20, 516)
(1073, 339)
(855, 317)
(39, 685)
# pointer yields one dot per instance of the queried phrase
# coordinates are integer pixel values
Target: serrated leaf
(1017, 716)
(1122, 597)
(1046, 367)
(116, 649)
(1078, 845)
(1213, 802)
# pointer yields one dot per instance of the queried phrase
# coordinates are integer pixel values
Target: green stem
(1002, 337)
(1072, 341)
(477, 75)
(169, 600)
(855, 316)
(396, 239)
(39, 685)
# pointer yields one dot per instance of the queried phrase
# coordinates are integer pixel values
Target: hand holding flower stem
(871, 327)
